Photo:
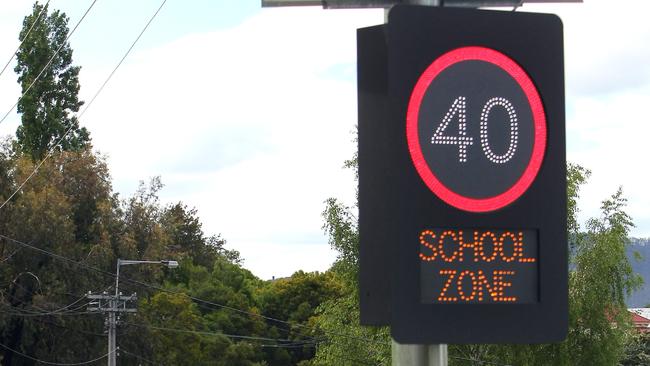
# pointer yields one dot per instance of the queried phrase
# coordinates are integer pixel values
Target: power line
(24, 38)
(49, 62)
(35, 314)
(53, 363)
(136, 356)
(51, 150)
(206, 333)
(40, 320)
(197, 300)
(121, 60)
(10, 255)
(63, 310)
(56, 256)
(292, 345)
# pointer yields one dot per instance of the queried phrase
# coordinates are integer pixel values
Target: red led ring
(539, 118)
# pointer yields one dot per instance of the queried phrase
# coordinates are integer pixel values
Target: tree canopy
(50, 86)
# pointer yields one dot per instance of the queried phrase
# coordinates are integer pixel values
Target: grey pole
(419, 354)
(112, 355)
(112, 321)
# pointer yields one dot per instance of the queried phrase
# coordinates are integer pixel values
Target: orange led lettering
(460, 285)
(423, 240)
(463, 245)
(441, 248)
(502, 241)
(443, 297)
(479, 284)
(485, 246)
(477, 266)
(480, 249)
(521, 250)
(499, 284)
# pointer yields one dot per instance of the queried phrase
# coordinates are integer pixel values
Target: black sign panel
(462, 176)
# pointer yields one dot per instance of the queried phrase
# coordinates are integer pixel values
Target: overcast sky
(248, 114)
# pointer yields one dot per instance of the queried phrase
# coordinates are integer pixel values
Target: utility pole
(114, 305)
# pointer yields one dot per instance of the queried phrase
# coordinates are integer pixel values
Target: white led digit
(514, 130)
(458, 108)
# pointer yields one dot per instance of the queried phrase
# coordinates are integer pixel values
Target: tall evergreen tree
(51, 99)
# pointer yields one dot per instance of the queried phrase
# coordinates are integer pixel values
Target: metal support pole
(418, 354)
(112, 322)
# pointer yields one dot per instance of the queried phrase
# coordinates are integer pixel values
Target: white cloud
(251, 125)
(607, 47)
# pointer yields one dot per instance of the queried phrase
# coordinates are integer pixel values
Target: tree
(187, 239)
(637, 351)
(62, 210)
(599, 280)
(296, 299)
(347, 343)
(51, 99)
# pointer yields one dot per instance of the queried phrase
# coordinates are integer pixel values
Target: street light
(112, 323)
(126, 262)
(170, 264)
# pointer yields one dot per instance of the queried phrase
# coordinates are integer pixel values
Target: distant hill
(640, 298)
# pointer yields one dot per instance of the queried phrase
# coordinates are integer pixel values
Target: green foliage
(576, 177)
(62, 210)
(48, 106)
(297, 299)
(599, 280)
(348, 343)
(341, 226)
(637, 350)
(602, 278)
(174, 323)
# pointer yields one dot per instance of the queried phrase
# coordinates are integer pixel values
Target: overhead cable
(136, 356)
(53, 363)
(199, 332)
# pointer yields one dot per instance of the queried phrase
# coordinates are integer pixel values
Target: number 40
(459, 109)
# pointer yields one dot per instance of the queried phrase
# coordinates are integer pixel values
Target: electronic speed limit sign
(462, 176)
(476, 129)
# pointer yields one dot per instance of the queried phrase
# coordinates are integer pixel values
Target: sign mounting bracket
(386, 4)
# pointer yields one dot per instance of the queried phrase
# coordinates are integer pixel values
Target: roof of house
(644, 313)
